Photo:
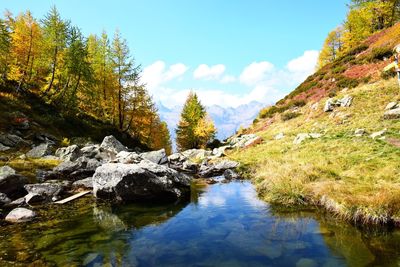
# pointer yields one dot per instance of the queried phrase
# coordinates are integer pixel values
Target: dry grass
(357, 178)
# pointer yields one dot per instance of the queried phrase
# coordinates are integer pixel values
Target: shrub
(339, 69)
(379, 53)
(343, 82)
(289, 115)
(357, 50)
(386, 75)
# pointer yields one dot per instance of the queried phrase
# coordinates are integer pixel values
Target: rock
(18, 215)
(84, 183)
(4, 200)
(231, 174)
(303, 136)
(139, 182)
(314, 106)
(392, 105)
(46, 138)
(219, 151)
(196, 154)
(128, 157)
(47, 191)
(32, 199)
(158, 157)
(392, 114)
(70, 153)
(11, 183)
(329, 105)
(16, 203)
(279, 136)
(111, 144)
(4, 148)
(217, 168)
(379, 134)
(359, 132)
(244, 140)
(12, 140)
(73, 170)
(39, 151)
(346, 101)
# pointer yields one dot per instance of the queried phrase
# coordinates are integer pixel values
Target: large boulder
(111, 144)
(44, 192)
(11, 183)
(69, 153)
(214, 169)
(331, 103)
(139, 182)
(158, 157)
(98, 153)
(20, 215)
(40, 151)
(74, 170)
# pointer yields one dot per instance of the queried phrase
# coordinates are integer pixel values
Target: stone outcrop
(331, 103)
(218, 168)
(40, 151)
(111, 144)
(69, 153)
(158, 157)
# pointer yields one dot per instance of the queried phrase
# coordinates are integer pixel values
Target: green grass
(357, 178)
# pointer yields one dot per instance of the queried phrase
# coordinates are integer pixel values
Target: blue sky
(230, 52)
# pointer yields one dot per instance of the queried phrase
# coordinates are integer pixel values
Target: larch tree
(332, 47)
(26, 47)
(55, 31)
(193, 117)
(127, 76)
(5, 45)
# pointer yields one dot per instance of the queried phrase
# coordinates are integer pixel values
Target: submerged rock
(18, 215)
(231, 174)
(139, 182)
(214, 169)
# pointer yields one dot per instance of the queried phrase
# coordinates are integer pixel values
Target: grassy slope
(358, 178)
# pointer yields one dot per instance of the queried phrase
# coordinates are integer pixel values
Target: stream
(224, 224)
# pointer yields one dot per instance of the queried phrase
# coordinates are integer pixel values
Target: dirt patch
(394, 141)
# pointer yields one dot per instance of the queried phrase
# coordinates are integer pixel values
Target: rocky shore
(112, 172)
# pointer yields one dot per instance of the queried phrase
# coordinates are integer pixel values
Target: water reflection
(223, 225)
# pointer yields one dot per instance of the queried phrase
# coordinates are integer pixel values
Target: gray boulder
(44, 191)
(40, 151)
(379, 134)
(279, 136)
(209, 170)
(392, 114)
(70, 153)
(244, 140)
(359, 132)
(84, 183)
(11, 183)
(329, 105)
(73, 170)
(18, 215)
(128, 157)
(346, 101)
(139, 182)
(158, 157)
(12, 140)
(111, 144)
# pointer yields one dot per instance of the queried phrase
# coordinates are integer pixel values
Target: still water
(224, 224)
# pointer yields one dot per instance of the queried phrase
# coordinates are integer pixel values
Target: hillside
(347, 160)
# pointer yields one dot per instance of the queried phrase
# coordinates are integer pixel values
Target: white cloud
(228, 79)
(255, 72)
(206, 72)
(305, 63)
(157, 73)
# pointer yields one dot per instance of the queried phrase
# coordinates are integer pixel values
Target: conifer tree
(193, 117)
(5, 44)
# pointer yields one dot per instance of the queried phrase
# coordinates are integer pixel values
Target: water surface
(223, 225)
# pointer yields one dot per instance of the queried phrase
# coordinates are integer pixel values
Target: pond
(224, 224)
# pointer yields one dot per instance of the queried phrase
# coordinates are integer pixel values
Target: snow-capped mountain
(227, 120)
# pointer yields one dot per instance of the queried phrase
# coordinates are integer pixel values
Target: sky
(229, 52)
